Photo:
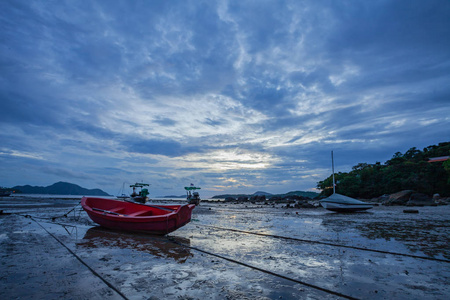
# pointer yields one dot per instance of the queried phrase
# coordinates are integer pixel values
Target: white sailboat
(122, 195)
(340, 203)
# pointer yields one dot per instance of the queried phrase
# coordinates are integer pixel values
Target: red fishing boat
(131, 216)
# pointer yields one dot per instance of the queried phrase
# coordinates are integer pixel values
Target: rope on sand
(42, 218)
(80, 260)
(263, 270)
(328, 244)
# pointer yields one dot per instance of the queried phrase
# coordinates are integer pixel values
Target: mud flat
(228, 251)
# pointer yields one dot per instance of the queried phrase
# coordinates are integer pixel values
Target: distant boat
(122, 195)
(4, 192)
(340, 203)
(140, 196)
(130, 216)
(192, 197)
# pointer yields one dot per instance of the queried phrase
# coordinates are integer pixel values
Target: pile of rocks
(403, 198)
(291, 201)
(411, 198)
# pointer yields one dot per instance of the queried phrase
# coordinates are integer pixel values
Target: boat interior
(129, 209)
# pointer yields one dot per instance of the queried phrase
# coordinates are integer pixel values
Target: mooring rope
(83, 262)
(263, 270)
(26, 215)
(328, 244)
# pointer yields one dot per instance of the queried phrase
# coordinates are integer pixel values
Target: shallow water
(204, 259)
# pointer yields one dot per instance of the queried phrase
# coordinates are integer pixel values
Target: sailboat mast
(332, 166)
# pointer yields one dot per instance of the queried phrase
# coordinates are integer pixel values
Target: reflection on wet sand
(420, 235)
(97, 237)
(429, 237)
(337, 224)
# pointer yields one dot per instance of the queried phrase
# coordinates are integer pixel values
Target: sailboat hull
(341, 203)
(339, 207)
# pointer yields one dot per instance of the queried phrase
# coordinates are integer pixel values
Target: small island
(58, 188)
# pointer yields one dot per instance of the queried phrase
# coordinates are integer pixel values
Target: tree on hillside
(403, 171)
(447, 168)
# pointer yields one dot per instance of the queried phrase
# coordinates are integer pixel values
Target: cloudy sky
(233, 96)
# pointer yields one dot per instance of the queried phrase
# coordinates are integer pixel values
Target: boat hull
(341, 203)
(339, 207)
(127, 216)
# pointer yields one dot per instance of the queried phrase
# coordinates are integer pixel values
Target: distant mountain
(259, 193)
(59, 188)
(269, 195)
(223, 196)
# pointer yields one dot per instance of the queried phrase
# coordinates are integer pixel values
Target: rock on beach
(411, 198)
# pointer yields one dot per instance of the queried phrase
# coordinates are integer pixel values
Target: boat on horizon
(131, 216)
(340, 203)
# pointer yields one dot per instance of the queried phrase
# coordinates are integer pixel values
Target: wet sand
(269, 253)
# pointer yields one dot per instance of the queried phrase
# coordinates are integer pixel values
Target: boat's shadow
(348, 213)
(161, 246)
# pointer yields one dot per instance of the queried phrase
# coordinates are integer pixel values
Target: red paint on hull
(122, 215)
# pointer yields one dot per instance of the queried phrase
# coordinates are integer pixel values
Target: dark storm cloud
(386, 26)
(164, 147)
(95, 131)
(267, 96)
(21, 108)
(212, 122)
(166, 121)
(170, 48)
(393, 42)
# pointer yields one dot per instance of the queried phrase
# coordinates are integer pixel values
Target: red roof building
(440, 158)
